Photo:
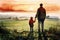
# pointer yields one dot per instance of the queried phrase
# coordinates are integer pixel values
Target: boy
(31, 24)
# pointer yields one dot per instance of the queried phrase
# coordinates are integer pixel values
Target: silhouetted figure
(31, 21)
(31, 24)
(41, 15)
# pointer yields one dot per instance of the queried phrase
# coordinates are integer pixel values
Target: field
(21, 29)
(23, 25)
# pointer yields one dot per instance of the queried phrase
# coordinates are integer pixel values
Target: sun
(31, 9)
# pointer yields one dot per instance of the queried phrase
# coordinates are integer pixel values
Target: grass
(24, 25)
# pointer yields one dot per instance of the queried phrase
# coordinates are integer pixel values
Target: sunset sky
(28, 5)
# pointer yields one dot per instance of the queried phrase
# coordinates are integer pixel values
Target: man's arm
(45, 13)
(36, 14)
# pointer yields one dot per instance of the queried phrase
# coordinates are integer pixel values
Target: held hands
(35, 20)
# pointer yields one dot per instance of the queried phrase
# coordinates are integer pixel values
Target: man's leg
(44, 34)
(42, 25)
(38, 26)
(39, 33)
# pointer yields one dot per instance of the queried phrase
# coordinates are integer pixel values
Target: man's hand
(35, 19)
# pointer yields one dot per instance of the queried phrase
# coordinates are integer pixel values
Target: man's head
(41, 5)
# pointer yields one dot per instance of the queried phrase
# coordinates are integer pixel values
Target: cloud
(27, 7)
(52, 7)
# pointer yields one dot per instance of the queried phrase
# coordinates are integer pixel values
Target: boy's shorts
(31, 25)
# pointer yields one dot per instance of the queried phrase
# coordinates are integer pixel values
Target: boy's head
(31, 17)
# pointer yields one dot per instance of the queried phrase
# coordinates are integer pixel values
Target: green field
(24, 24)
(22, 27)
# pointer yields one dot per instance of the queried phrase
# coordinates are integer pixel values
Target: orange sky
(28, 5)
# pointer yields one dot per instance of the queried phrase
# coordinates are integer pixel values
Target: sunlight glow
(30, 5)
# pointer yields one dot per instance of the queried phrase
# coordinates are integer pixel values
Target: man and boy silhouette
(40, 15)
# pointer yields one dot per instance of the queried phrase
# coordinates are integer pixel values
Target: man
(41, 15)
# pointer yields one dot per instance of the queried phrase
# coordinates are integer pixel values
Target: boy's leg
(31, 33)
(31, 29)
